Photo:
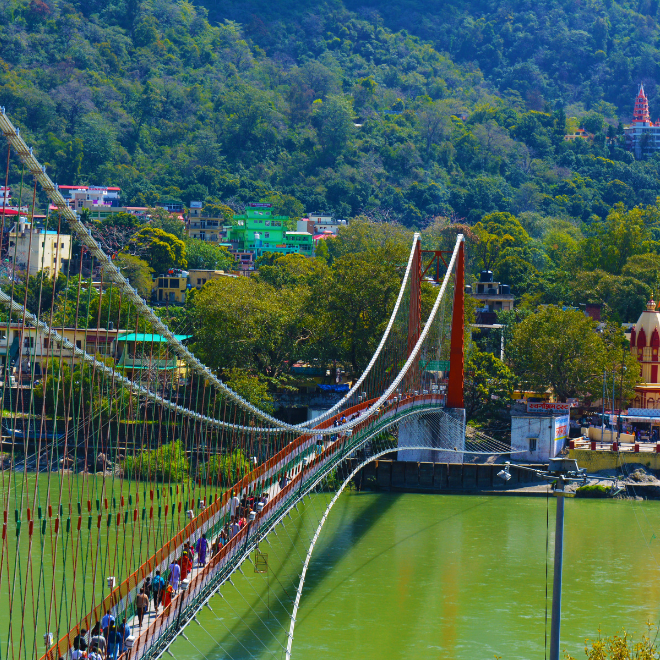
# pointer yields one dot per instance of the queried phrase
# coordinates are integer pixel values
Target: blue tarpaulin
(334, 388)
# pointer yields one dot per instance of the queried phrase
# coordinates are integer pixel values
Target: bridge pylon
(455, 396)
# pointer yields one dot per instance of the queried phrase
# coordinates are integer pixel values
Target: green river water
(393, 576)
(415, 576)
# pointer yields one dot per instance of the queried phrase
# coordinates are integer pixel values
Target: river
(413, 576)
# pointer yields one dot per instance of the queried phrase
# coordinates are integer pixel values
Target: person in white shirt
(234, 528)
(234, 503)
(94, 654)
(77, 654)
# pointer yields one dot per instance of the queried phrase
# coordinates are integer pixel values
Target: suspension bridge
(109, 471)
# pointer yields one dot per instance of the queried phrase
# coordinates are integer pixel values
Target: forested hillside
(397, 111)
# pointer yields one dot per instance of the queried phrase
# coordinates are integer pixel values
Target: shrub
(226, 469)
(166, 463)
(594, 490)
(620, 647)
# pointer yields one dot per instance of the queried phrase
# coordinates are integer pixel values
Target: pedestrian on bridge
(94, 653)
(98, 639)
(80, 641)
(107, 621)
(234, 528)
(186, 565)
(114, 642)
(234, 503)
(141, 605)
(175, 575)
(167, 597)
(157, 587)
(202, 548)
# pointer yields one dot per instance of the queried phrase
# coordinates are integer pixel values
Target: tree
(168, 222)
(359, 302)
(245, 322)
(294, 269)
(252, 387)
(137, 271)
(159, 249)
(207, 256)
(434, 119)
(333, 120)
(622, 235)
(489, 385)
(41, 292)
(561, 351)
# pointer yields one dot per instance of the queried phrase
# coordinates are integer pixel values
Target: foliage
(226, 469)
(252, 387)
(159, 249)
(83, 388)
(207, 256)
(559, 349)
(621, 647)
(592, 491)
(137, 271)
(167, 463)
(488, 385)
(170, 223)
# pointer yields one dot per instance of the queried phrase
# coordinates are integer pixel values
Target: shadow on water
(244, 631)
(317, 576)
(251, 625)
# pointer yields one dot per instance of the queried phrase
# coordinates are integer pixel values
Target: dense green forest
(405, 112)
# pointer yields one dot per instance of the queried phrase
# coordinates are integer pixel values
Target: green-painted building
(259, 231)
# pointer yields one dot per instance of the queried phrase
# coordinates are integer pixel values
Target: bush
(620, 647)
(227, 469)
(594, 490)
(167, 463)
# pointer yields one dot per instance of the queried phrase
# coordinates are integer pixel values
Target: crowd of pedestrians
(108, 640)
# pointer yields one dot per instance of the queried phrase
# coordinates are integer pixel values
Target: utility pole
(602, 419)
(623, 361)
(563, 471)
(555, 626)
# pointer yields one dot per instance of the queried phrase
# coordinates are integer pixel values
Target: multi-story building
(101, 201)
(172, 287)
(643, 135)
(79, 197)
(259, 231)
(204, 227)
(33, 248)
(492, 298)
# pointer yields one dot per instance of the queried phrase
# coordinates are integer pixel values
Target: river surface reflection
(411, 576)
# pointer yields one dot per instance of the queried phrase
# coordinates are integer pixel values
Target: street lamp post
(562, 471)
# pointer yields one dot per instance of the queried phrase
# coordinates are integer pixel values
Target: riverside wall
(410, 476)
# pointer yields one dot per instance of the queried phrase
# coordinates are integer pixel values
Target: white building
(35, 249)
(540, 436)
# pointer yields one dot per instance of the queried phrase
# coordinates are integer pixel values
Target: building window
(174, 284)
(62, 245)
(28, 342)
(199, 280)
(79, 344)
(532, 444)
(654, 373)
(45, 342)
